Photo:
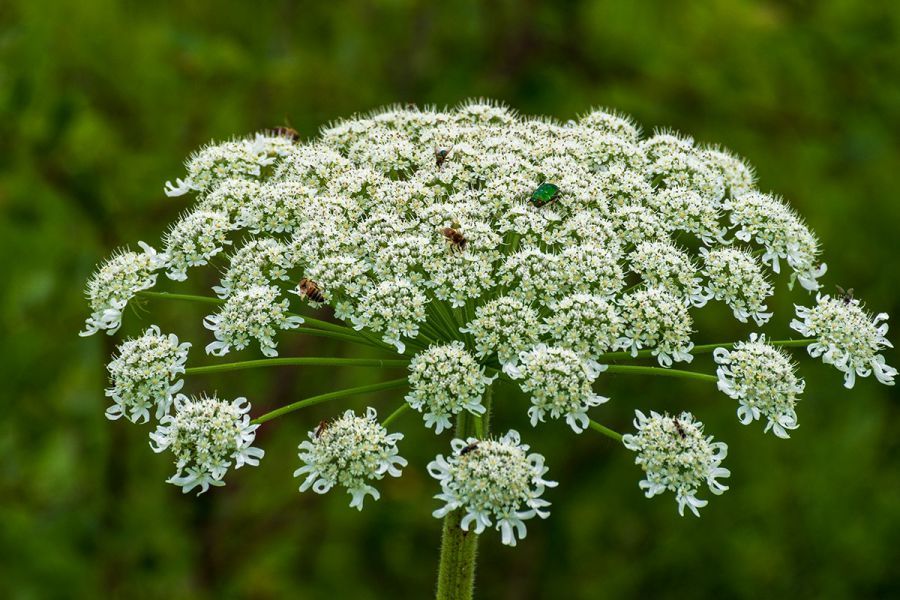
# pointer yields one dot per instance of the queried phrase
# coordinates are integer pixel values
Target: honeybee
(288, 132)
(441, 155)
(456, 239)
(468, 448)
(310, 289)
(320, 428)
(678, 427)
(845, 295)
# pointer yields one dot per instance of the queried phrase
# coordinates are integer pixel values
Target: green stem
(604, 430)
(459, 549)
(704, 349)
(296, 361)
(659, 371)
(363, 389)
(396, 414)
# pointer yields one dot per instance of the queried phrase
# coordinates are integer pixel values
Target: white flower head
(258, 262)
(207, 436)
(687, 210)
(350, 452)
(116, 282)
(636, 223)
(211, 165)
(505, 325)
(657, 319)
(735, 277)
(738, 175)
(444, 381)
(193, 240)
(847, 337)
(768, 221)
(559, 381)
(256, 313)
(496, 482)
(665, 265)
(675, 456)
(587, 324)
(764, 380)
(393, 308)
(146, 374)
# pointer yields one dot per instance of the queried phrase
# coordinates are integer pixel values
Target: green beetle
(544, 194)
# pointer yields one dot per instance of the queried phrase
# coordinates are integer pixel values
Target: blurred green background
(101, 100)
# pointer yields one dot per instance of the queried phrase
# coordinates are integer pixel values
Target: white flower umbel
(677, 457)
(256, 313)
(772, 223)
(350, 452)
(657, 319)
(115, 283)
(848, 338)
(687, 210)
(193, 240)
(588, 324)
(256, 263)
(736, 277)
(505, 325)
(665, 265)
(559, 382)
(216, 163)
(738, 175)
(763, 380)
(496, 482)
(393, 308)
(207, 436)
(444, 381)
(145, 374)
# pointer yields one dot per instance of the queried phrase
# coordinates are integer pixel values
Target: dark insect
(288, 132)
(678, 427)
(310, 289)
(468, 448)
(845, 295)
(544, 194)
(441, 155)
(320, 428)
(456, 239)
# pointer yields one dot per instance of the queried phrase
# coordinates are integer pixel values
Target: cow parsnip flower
(763, 380)
(734, 276)
(848, 338)
(350, 452)
(444, 381)
(677, 457)
(145, 374)
(505, 326)
(256, 313)
(656, 318)
(193, 240)
(586, 323)
(496, 482)
(207, 436)
(559, 382)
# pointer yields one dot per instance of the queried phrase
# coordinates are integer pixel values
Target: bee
(310, 289)
(468, 448)
(288, 132)
(320, 428)
(456, 239)
(678, 427)
(441, 155)
(845, 295)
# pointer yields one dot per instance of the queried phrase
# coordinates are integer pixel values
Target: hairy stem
(297, 361)
(363, 389)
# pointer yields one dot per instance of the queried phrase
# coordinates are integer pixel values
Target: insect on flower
(468, 448)
(544, 194)
(441, 155)
(310, 289)
(320, 428)
(456, 239)
(678, 427)
(845, 295)
(288, 132)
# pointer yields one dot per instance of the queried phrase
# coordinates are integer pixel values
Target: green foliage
(100, 100)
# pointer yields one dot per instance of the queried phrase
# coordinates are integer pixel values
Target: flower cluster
(475, 240)
(763, 379)
(496, 482)
(559, 382)
(350, 452)
(847, 337)
(444, 381)
(144, 374)
(207, 436)
(677, 457)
